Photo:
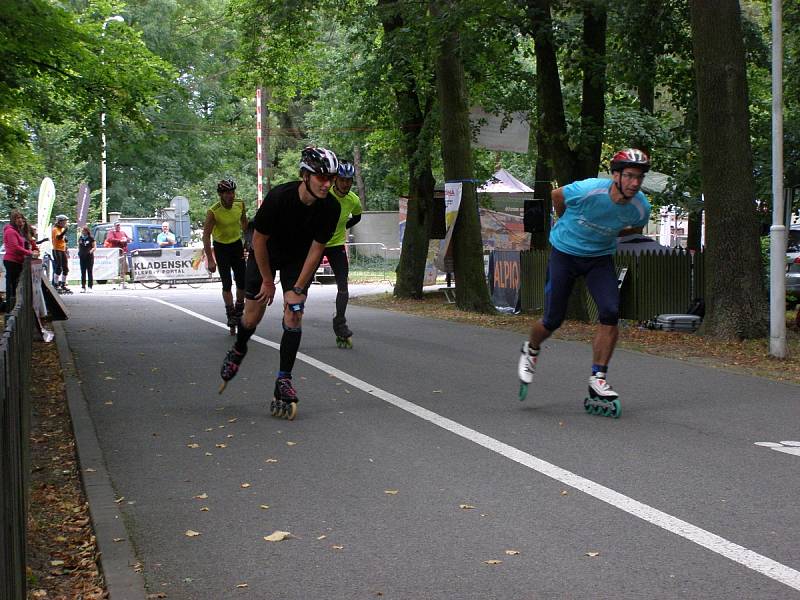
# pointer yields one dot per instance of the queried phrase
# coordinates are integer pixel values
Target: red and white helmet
(630, 157)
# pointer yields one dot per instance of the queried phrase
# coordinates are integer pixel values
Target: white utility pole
(103, 200)
(777, 232)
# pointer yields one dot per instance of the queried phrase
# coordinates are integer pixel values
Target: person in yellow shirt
(335, 249)
(226, 220)
(58, 237)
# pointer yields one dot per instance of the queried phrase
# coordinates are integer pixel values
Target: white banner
(168, 264)
(106, 264)
(452, 202)
(500, 132)
(47, 195)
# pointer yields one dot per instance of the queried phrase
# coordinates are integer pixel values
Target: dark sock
(599, 369)
(243, 335)
(290, 344)
(341, 303)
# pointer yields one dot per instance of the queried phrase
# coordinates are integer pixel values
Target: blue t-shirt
(592, 220)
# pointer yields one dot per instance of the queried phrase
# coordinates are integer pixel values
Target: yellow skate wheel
(290, 411)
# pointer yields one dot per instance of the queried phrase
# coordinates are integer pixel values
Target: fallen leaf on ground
(222, 445)
(90, 470)
(592, 554)
(466, 506)
(119, 539)
(264, 506)
(390, 492)
(120, 499)
(241, 585)
(494, 561)
(195, 445)
(291, 443)
(204, 509)
(209, 454)
(190, 533)
(337, 547)
(245, 485)
(233, 420)
(271, 460)
(564, 492)
(56, 563)
(202, 496)
(322, 537)
(278, 536)
(437, 391)
(512, 552)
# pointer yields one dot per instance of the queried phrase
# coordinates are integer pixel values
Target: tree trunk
(553, 122)
(362, 190)
(735, 300)
(593, 102)
(542, 188)
(695, 232)
(472, 291)
(412, 116)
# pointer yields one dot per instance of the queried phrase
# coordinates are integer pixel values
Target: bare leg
(253, 313)
(604, 342)
(227, 297)
(239, 295)
(539, 333)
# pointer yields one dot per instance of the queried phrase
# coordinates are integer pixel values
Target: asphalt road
(411, 462)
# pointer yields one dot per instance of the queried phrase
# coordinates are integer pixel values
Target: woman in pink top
(14, 256)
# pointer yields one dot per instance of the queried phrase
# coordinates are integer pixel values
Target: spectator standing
(86, 248)
(165, 239)
(14, 256)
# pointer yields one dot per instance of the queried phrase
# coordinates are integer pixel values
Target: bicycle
(154, 284)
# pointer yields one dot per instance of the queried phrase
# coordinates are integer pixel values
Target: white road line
(752, 560)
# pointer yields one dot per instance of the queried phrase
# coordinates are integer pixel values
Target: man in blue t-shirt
(591, 215)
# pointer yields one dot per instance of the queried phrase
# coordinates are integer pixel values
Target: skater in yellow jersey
(226, 220)
(335, 248)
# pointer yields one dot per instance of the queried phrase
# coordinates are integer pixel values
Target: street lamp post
(103, 199)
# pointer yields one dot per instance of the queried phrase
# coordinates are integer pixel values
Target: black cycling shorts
(289, 273)
(337, 259)
(60, 262)
(230, 257)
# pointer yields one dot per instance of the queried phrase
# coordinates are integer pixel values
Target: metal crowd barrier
(16, 349)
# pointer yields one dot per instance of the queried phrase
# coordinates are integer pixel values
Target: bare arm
(557, 197)
(243, 221)
(208, 227)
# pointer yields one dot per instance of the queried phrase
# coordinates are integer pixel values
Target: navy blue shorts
(601, 279)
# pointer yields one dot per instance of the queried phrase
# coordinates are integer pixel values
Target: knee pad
(290, 329)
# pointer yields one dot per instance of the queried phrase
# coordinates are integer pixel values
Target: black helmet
(319, 161)
(226, 185)
(630, 157)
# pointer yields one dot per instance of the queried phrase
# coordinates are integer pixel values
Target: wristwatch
(298, 290)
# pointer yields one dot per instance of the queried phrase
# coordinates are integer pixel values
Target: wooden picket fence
(655, 283)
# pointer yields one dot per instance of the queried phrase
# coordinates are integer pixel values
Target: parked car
(142, 235)
(793, 265)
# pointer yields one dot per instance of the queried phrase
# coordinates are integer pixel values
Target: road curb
(117, 559)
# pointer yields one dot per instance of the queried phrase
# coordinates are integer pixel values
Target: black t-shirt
(85, 245)
(291, 225)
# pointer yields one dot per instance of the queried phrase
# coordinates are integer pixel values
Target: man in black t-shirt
(291, 229)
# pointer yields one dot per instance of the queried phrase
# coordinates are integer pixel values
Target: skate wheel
(290, 411)
(222, 386)
(523, 391)
(274, 408)
(615, 411)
